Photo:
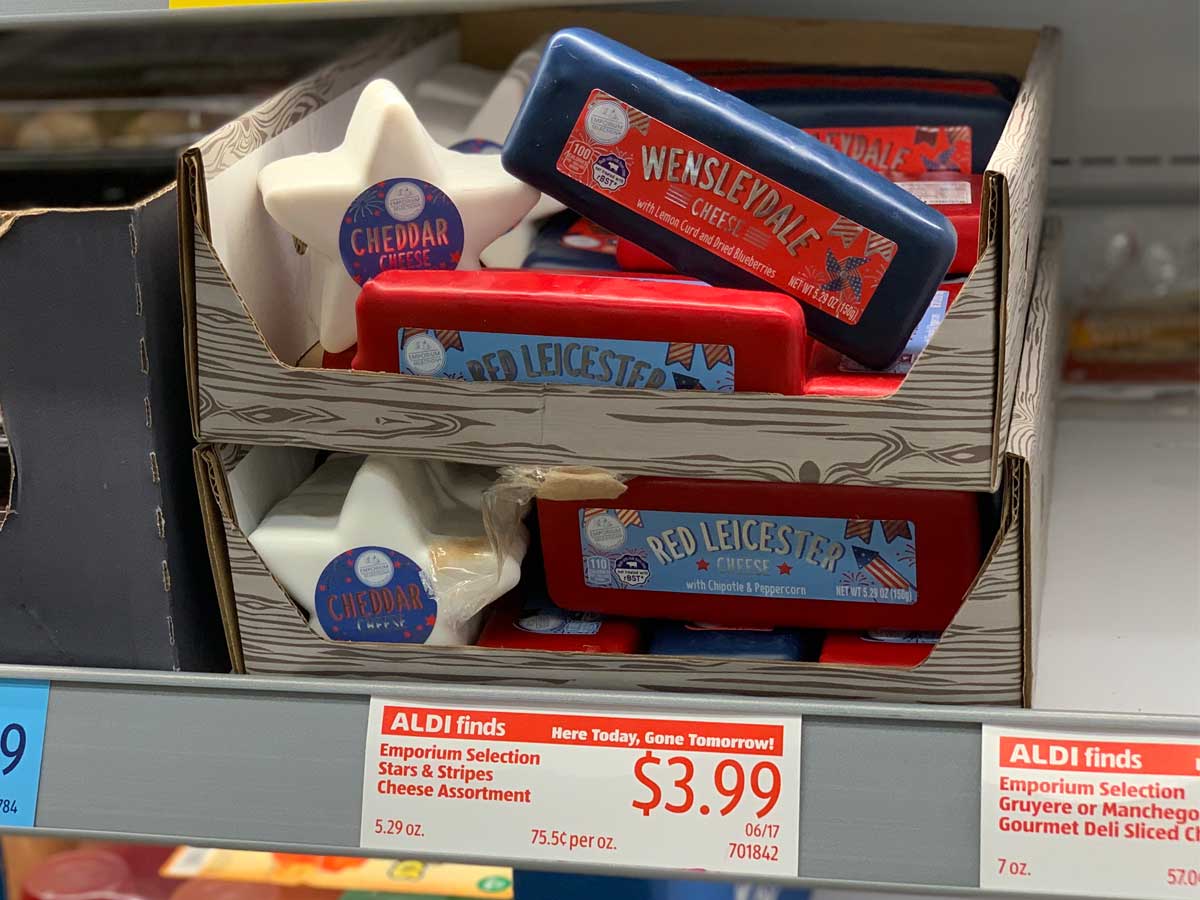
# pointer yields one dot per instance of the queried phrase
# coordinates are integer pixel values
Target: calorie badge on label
(452, 780)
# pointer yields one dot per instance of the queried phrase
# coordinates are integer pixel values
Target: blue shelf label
(22, 732)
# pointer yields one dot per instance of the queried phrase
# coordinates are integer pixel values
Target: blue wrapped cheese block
(686, 639)
(729, 194)
(986, 116)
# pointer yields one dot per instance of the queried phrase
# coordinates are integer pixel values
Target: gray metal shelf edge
(76, 13)
(889, 794)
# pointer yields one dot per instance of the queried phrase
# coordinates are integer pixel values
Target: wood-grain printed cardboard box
(101, 540)
(245, 286)
(983, 656)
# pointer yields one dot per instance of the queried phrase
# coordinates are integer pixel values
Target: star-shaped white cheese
(310, 195)
(430, 512)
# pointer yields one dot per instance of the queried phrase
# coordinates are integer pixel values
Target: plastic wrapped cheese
(393, 550)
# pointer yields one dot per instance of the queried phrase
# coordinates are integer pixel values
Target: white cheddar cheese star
(388, 198)
(390, 550)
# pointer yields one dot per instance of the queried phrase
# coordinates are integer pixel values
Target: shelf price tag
(720, 794)
(22, 730)
(1105, 815)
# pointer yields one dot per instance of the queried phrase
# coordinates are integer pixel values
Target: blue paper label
(375, 594)
(22, 732)
(400, 223)
(477, 145)
(541, 359)
(790, 557)
(917, 341)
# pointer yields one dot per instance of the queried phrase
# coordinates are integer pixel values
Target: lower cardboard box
(984, 656)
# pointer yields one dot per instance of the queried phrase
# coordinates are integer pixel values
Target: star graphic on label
(311, 194)
(431, 621)
(702, 565)
(785, 569)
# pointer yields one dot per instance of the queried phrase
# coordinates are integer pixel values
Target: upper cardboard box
(245, 286)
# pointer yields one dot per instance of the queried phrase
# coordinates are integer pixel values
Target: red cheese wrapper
(955, 196)
(765, 554)
(633, 258)
(834, 375)
(545, 327)
(517, 626)
(878, 648)
(340, 360)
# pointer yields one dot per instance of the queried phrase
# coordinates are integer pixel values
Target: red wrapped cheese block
(570, 328)
(756, 553)
(879, 648)
(834, 375)
(955, 196)
(633, 258)
(537, 624)
(340, 360)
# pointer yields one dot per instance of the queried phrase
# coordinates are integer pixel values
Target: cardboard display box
(982, 657)
(245, 287)
(101, 540)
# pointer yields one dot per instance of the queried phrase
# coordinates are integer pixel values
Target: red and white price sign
(720, 794)
(1098, 814)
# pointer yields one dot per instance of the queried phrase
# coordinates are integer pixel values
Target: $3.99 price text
(730, 780)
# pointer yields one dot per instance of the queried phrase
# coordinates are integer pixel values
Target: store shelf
(21, 13)
(889, 794)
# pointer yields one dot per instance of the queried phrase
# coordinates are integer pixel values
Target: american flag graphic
(927, 134)
(860, 528)
(717, 353)
(871, 562)
(756, 237)
(630, 518)
(681, 353)
(638, 120)
(894, 528)
(845, 229)
(878, 245)
(678, 196)
(449, 338)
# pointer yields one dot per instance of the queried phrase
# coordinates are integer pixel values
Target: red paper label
(903, 149)
(736, 214)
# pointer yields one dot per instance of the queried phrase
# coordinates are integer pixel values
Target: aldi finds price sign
(22, 730)
(713, 794)
(1098, 814)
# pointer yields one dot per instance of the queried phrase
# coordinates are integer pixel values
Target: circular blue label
(375, 594)
(477, 145)
(400, 223)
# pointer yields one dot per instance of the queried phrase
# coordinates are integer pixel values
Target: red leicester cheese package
(878, 648)
(341, 360)
(833, 375)
(548, 327)
(765, 554)
(956, 196)
(537, 624)
(633, 258)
